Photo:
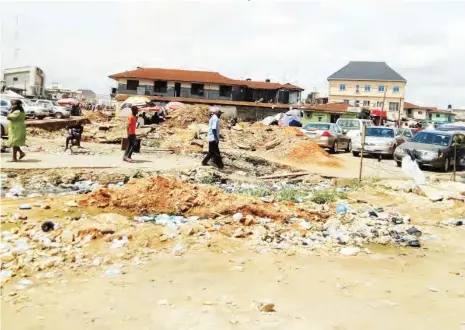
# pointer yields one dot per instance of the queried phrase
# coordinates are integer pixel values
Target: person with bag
(17, 129)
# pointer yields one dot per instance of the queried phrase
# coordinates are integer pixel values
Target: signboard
(354, 109)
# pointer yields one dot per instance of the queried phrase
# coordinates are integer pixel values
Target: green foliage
(290, 194)
(257, 192)
(327, 196)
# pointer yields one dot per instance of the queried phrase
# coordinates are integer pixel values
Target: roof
(198, 76)
(436, 110)
(360, 70)
(330, 107)
(408, 105)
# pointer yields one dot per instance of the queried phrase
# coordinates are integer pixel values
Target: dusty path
(36, 160)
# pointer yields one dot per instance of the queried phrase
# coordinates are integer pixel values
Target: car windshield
(349, 124)
(380, 132)
(28, 102)
(431, 138)
(324, 127)
(55, 103)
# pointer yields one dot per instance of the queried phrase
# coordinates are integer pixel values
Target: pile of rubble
(184, 116)
(98, 116)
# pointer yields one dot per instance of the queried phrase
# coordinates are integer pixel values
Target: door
(342, 138)
(177, 89)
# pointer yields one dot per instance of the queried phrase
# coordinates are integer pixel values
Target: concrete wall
(256, 113)
(293, 97)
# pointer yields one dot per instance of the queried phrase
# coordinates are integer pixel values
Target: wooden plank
(286, 175)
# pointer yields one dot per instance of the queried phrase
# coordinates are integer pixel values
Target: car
(328, 135)
(451, 127)
(4, 107)
(33, 110)
(379, 140)
(3, 126)
(405, 133)
(54, 108)
(435, 149)
(354, 126)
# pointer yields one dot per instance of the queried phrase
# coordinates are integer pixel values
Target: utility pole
(398, 115)
(361, 152)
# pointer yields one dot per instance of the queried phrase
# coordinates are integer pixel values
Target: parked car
(451, 127)
(379, 140)
(4, 107)
(328, 135)
(354, 126)
(54, 108)
(405, 133)
(435, 148)
(3, 125)
(33, 110)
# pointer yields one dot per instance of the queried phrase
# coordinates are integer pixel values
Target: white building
(27, 80)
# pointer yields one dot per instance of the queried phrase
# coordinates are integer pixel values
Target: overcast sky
(79, 44)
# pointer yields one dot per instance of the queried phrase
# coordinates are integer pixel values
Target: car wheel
(446, 165)
(40, 117)
(355, 153)
(334, 148)
(399, 164)
(59, 115)
(349, 146)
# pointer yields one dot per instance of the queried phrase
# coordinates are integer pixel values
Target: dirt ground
(219, 287)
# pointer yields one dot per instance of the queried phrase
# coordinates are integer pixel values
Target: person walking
(17, 129)
(132, 139)
(213, 138)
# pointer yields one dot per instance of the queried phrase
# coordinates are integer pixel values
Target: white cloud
(80, 44)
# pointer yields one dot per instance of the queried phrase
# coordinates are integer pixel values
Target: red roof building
(204, 85)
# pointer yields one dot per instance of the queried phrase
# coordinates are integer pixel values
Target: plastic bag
(411, 169)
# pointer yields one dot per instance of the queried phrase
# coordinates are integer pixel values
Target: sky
(79, 44)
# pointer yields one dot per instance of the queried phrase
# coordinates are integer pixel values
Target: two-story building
(188, 84)
(370, 85)
(28, 81)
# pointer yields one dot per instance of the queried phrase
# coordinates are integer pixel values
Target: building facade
(369, 85)
(170, 83)
(28, 81)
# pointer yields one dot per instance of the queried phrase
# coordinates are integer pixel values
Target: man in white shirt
(213, 138)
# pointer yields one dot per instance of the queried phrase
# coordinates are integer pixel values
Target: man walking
(214, 139)
(132, 139)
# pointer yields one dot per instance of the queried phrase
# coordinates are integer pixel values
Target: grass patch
(257, 192)
(290, 194)
(327, 196)
(210, 178)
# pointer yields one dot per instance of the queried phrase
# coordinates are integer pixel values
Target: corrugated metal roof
(361, 70)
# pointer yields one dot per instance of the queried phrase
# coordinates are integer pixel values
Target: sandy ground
(392, 288)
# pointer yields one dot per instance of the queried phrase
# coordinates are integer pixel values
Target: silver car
(328, 135)
(379, 140)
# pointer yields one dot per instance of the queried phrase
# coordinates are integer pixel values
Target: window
(366, 103)
(357, 103)
(197, 89)
(367, 88)
(379, 104)
(131, 85)
(160, 86)
(346, 101)
(437, 115)
(393, 106)
(342, 87)
(225, 91)
(380, 88)
(357, 88)
(3, 103)
(419, 112)
(396, 89)
(15, 78)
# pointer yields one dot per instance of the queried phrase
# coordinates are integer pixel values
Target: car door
(459, 141)
(342, 138)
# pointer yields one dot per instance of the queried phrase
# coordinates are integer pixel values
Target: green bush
(290, 194)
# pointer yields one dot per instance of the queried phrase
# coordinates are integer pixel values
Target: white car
(354, 126)
(4, 125)
(54, 108)
(33, 110)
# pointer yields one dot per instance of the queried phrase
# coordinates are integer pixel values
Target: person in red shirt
(132, 139)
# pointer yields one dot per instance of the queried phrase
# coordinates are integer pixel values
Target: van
(354, 126)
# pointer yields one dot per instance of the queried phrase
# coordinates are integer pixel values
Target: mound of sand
(310, 152)
(188, 114)
(172, 196)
